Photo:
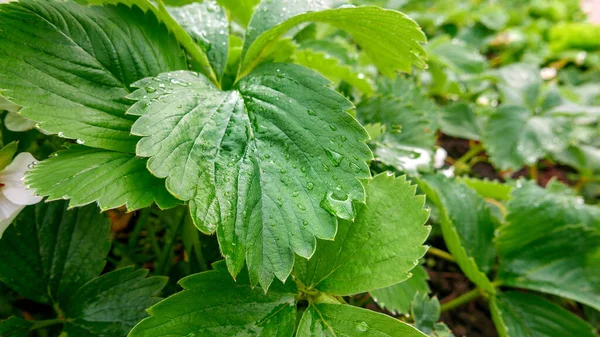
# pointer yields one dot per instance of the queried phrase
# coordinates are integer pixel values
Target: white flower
(548, 73)
(439, 158)
(14, 196)
(449, 172)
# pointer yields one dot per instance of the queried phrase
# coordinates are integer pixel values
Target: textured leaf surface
(519, 314)
(213, 304)
(390, 38)
(333, 69)
(70, 66)
(337, 320)
(378, 249)
(207, 24)
(467, 226)
(14, 327)
(459, 120)
(515, 137)
(540, 249)
(111, 179)
(265, 165)
(49, 252)
(426, 313)
(488, 188)
(112, 304)
(397, 298)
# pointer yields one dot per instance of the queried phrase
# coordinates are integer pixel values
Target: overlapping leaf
(397, 298)
(467, 226)
(551, 245)
(265, 165)
(378, 249)
(390, 38)
(70, 67)
(519, 314)
(15, 327)
(213, 304)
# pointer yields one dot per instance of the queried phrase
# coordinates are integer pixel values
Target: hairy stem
(441, 254)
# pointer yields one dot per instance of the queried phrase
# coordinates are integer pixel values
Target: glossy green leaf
(267, 165)
(467, 225)
(70, 66)
(333, 69)
(488, 188)
(337, 320)
(112, 179)
(49, 252)
(213, 304)
(111, 304)
(207, 24)
(515, 137)
(518, 314)
(397, 298)
(15, 327)
(240, 10)
(391, 39)
(378, 249)
(460, 120)
(540, 249)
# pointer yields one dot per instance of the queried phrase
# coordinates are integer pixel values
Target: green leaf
(331, 320)
(378, 249)
(397, 298)
(460, 120)
(111, 304)
(207, 24)
(390, 38)
(520, 85)
(240, 10)
(409, 136)
(7, 153)
(70, 66)
(539, 211)
(515, 137)
(540, 249)
(111, 179)
(49, 252)
(213, 304)
(518, 314)
(467, 225)
(333, 69)
(488, 188)
(15, 327)
(265, 165)
(426, 313)
(456, 55)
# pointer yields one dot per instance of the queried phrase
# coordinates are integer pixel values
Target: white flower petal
(17, 123)
(8, 212)
(439, 158)
(12, 177)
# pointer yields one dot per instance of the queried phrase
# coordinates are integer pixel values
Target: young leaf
(333, 69)
(540, 249)
(207, 24)
(213, 304)
(111, 304)
(459, 120)
(397, 298)
(467, 226)
(72, 78)
(240, 10)
(390, 38)
(488, 188)
(426, 313)
(518, 314)
(49, 252)
(378, 249)
(15, 327)
(265, 165)
(514, 136)
(331, 320)
(111, 179)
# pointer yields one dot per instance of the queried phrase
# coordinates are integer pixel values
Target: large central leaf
(265, 165)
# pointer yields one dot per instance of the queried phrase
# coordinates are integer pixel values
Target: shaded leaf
(15, 327)
(397, 298)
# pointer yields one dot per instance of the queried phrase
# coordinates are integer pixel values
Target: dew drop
(334, 157)
(338, 204)
(80, 141)
(312, 112)
(310, 186)
(150, 89)
(361, 326)
(302, 207)
(61, 135)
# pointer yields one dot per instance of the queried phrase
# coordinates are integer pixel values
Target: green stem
(441, 254)
(461, 163)
(42, 324)
(461, 300)
(139, 224)
(166, 253)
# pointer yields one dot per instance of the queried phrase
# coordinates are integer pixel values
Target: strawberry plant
(298, 168)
